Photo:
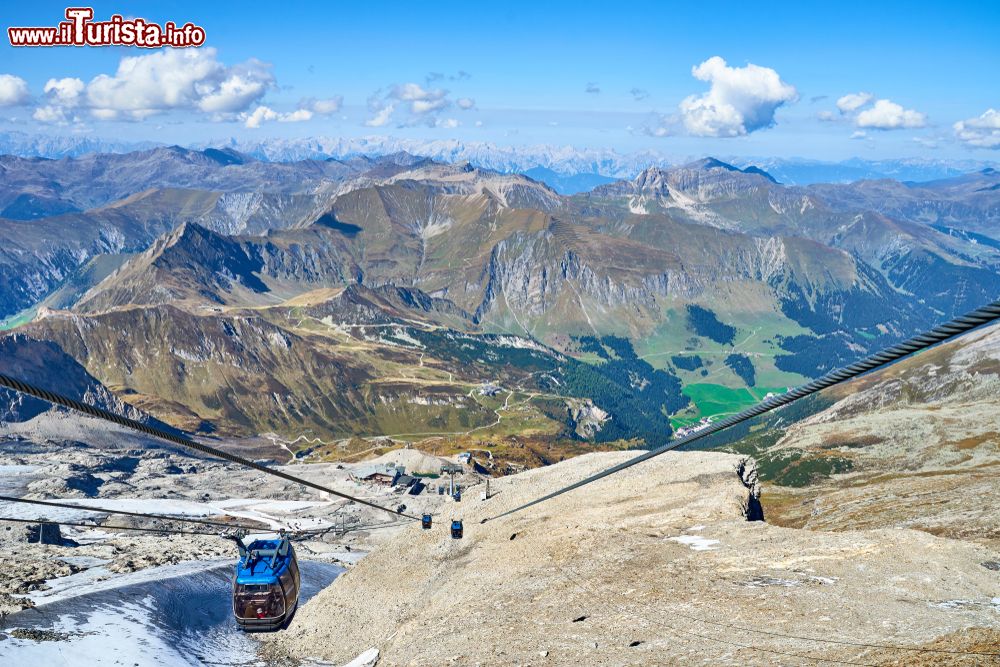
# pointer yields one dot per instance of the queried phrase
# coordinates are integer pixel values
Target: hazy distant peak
(711, 163)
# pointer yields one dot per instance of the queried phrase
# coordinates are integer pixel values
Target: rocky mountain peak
(708, 163)
(186, 235)
(709, 170)
(225, 156)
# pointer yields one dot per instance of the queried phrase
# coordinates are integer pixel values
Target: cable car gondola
(266, 583)
(426, 521)
(456, 529)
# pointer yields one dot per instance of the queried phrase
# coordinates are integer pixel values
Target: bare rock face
(45, 533)
(14, 533)
(656, 565)
(44, 364)
(917, 446)
(586, 418)
(746, 469)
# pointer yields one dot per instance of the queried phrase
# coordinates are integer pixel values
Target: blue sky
(770, 76)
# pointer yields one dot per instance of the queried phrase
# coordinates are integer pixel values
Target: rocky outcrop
(585, 418)
(621, 571)
(241, 371)
(44, 364)
(746, 470)
(535, 275)
(196, 265)
(913, 445)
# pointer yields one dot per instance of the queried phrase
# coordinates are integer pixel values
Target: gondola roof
(264, 563)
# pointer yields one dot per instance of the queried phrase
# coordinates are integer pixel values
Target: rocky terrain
(63, 457)
(916, 445)
(176, 297)
(58, 215)
(325, 314)
(657, 565)
(890, 559)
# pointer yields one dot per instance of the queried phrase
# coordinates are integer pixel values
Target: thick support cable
(77, 524)
(141, 515)
(106, 415)
(938, 334)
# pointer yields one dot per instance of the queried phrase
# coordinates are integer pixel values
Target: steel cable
(938, 334)
(106, 415)
(77, 524)
(143, 515)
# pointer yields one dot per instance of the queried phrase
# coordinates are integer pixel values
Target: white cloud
(427, 106)
(324, 107)
(866, 112)
(859, 134)
(236, 92)
(262, 113)
(592, 88)
(13, 90)
(63, 95)
(66, 92)
(185, 79)
(416, 104)
(661, 125)
(827, 116)
(181, 80)
(422, 100)
(887, 115)
(412, 92)
(49, 114)
(296, 116)
(854, 101)
(448, 123)
(980, 132)
(381, 117)
(306, 110)
(739, 101)
(259, 115)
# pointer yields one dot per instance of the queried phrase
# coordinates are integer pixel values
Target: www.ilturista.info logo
(80, 30)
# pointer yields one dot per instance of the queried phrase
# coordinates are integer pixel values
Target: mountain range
(373, 295)
(567, 169)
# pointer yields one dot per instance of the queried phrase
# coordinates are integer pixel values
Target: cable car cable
(76, 524)
(106, 415)
(294, 533)
(938, 334)
(162, 517)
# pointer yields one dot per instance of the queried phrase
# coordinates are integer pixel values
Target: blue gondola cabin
(266, 584)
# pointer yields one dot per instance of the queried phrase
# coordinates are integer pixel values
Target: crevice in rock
(747, 472)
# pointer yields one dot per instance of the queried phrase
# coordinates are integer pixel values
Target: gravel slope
(621, 572)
